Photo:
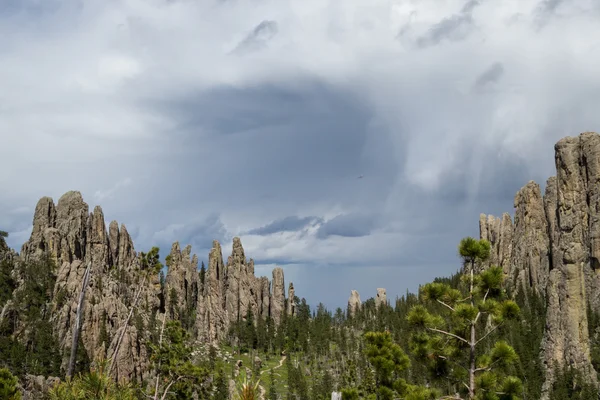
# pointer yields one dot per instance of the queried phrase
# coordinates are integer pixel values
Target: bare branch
(449, 334)
(488, 333)
(164, 396)
(486, 295)
(445, 305)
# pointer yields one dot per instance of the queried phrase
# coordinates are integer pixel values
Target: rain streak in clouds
(200, 120)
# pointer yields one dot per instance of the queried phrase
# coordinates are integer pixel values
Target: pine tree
(389, 361)
(222, 387)
(172, 359)
(272, 395)
(3, 236)
(452, 340)
(8, 386)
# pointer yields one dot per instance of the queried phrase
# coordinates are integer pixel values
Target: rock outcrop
(554, 247)
(181, 283)
(278, 298)
(232, 290)
(354, 303)
(381, 298)
(291, 305)
(73, 238)
(498, 231)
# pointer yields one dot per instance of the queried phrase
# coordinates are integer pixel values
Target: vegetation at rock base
(8, 385)
(465, 336)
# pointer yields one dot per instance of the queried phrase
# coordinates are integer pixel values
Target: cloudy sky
(195, 120)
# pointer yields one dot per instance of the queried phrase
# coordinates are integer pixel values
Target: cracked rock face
(553, 247)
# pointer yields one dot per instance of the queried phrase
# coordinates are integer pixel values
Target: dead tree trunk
(77, 327)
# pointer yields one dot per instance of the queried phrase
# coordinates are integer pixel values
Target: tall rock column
(278, 297)
(266, 297)
(354, 303)
(530, 265)
(590, 170)
(181, 282)
(212, 312)
(566, 338)
(381, 298)
(499, 232)
(291, 305)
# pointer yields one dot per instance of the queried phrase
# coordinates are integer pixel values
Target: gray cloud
(348, 225)
(141, 107)
(289, 223)
(490, 75)
(258, 38)
(470, 6)
(549, 6)
(199, 235)
(454, 28)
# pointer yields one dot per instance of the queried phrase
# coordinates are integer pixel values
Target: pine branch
(455, 362)
(488, 333)
(449, 334)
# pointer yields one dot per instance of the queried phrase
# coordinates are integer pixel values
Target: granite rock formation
(381, 298)
(354, 303)
(72, 237)
(553, 247)
(291, 304)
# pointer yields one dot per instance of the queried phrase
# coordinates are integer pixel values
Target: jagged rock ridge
(553, 247)
(73, 238)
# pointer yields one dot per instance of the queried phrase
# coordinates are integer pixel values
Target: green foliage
(350, 394)
(472, 250)
(3, 236)
(151, 261)
(96, 384)
(572, 385)
(246, 389)
(454, 341)
(389, 362)
(324, 350)
(222, 387)
(272, 393)
(8, 386)
(180, 377)
(27, 343)
(7, 282)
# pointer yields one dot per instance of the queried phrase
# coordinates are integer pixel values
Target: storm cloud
(353, 156)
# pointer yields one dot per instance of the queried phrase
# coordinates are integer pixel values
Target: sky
(195, 120)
